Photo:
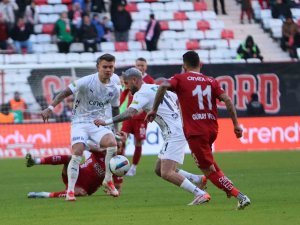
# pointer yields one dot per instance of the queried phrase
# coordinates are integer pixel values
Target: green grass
(270, 179)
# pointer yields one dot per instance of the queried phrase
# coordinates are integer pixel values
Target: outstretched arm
(158, 99)
(58, 99)
(232, 112)
(128, 114)
(115, 112)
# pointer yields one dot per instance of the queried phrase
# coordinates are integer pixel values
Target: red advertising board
(264, 133)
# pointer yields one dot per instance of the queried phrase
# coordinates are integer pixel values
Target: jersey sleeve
(139, 101)
(77, 84)
(217, 88)
(115, 102)
(173, 81)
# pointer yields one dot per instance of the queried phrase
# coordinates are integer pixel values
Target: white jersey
(93, 98)
(168, 115)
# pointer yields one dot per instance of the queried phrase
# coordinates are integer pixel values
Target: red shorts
(136, 127)
(201, 148)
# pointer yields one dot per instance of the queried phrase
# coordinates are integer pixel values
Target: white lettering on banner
(18, 138)
(266, 135)
(40, 152)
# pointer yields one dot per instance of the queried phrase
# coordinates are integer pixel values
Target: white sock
(73, 171)
(133, 167)
(190, 187)
(37, 161)
(192, 177)
(110, 151)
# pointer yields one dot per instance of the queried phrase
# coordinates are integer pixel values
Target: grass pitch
(270, 179)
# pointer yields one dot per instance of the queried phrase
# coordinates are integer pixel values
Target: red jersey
(197, 95)
(148, 80)
(92, 173)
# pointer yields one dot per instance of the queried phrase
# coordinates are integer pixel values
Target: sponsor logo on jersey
(110, 94)
(99, 104)
(77, 138)
(175, 115)
(195, 78)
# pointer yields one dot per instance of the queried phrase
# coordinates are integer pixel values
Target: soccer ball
(119, 165)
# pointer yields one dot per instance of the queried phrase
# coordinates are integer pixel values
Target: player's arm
(128, 114)
(58, 99)
(158, 99)
(115, 112)
(232, 112)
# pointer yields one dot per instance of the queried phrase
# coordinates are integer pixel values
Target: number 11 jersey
(197, 95)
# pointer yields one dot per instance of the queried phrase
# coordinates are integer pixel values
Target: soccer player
(93, 95)
(169, 120)
(91, 174)
(137, 125)
(197, 95)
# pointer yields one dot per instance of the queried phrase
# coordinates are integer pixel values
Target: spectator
(122, 23)
(249, 49)
(98, 6)
(3, 33)
(264, 4)
(22, 4)
(21, 34)
(289, 29)
(19, 107)
(254, 107)
(64, 33)
(222, 7)
(99, 27)
(31, 13)
(8, 9)
(68, 110)
(281, 10)
(296, 44)
(88, 34)
(114, 6)
(81, 3)
(75, 15)
(108, 28)
(5, 115)
(152, 33)
(246, 8)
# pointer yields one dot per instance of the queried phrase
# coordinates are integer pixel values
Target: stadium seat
(207, 44)
(43, 38)
(31, 58)
(209, 15)
(172, 6)
(38, 48)
(298, 52)
(296, 13)
(76, 47)
(73, 57)
(48, 28)
(86, 57)
(59, 8)
(51, 48)
(43, 18)
(203, 25)
(143, 6)
(184, 35)
(139, 36)
(175, 25)
(234, 43)
(179, 44)
(38, 28)
(159, 55)
(157, 6)
(119, 56)
(164, 25)
(194, 15)
(14, 59)
(216, 54)
(168, 34)
(164, 44)
(222, 44)
(66, 1)
(180, 16)
(174, 54)
(54, 1)
(196, 35)
(190, 25)
(216, 24)
(192, 45)
(60, 58)
(131, 7)
(145, 54)
(121, 46)
(162, 15)
(227, 34)
(203, 54)
(253, 60)
(46, 9)
(238, 61)
(53, 18)
(200, 6)
(41, 2)
(107, 46)
(219, 61)
(1, 59)
(130, 57)
(46, 58)
(140, 15)
(33, 38)
(134, 45)
(212, 34)
(186, 6)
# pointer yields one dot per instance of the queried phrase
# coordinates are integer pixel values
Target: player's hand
(121, 136)
(238, 131)
(150, 116)
(99, 122)
(46, 114)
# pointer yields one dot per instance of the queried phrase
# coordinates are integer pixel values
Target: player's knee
(78, 149)
(157, 171)
(166, 175)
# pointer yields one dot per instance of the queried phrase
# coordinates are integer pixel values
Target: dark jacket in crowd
(21, 35)
(254, 107)
(122, 21)
(88, 32)
(98, 6)
(281, 10)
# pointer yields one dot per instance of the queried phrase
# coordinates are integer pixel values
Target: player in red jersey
(91, 174)
(137, 125)
(197, 95)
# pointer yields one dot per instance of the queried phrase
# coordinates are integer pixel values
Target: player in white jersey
(169, 120)
(94, 95)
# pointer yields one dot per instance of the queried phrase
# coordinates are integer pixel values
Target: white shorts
(173, 149)
(81, 132)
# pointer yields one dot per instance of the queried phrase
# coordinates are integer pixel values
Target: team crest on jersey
(175, 115)
(110, 94)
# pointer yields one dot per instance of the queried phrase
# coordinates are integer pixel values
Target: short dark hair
(191, 59)
(141, 59)
(152, 16)
(107, 57)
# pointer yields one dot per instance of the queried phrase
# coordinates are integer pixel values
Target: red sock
(137, 155)
(60, 194)
(56, 160)
(222, 182)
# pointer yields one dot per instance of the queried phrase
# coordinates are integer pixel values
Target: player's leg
(201, 151)
(78, 139)
(199, 180)
(50, 160)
